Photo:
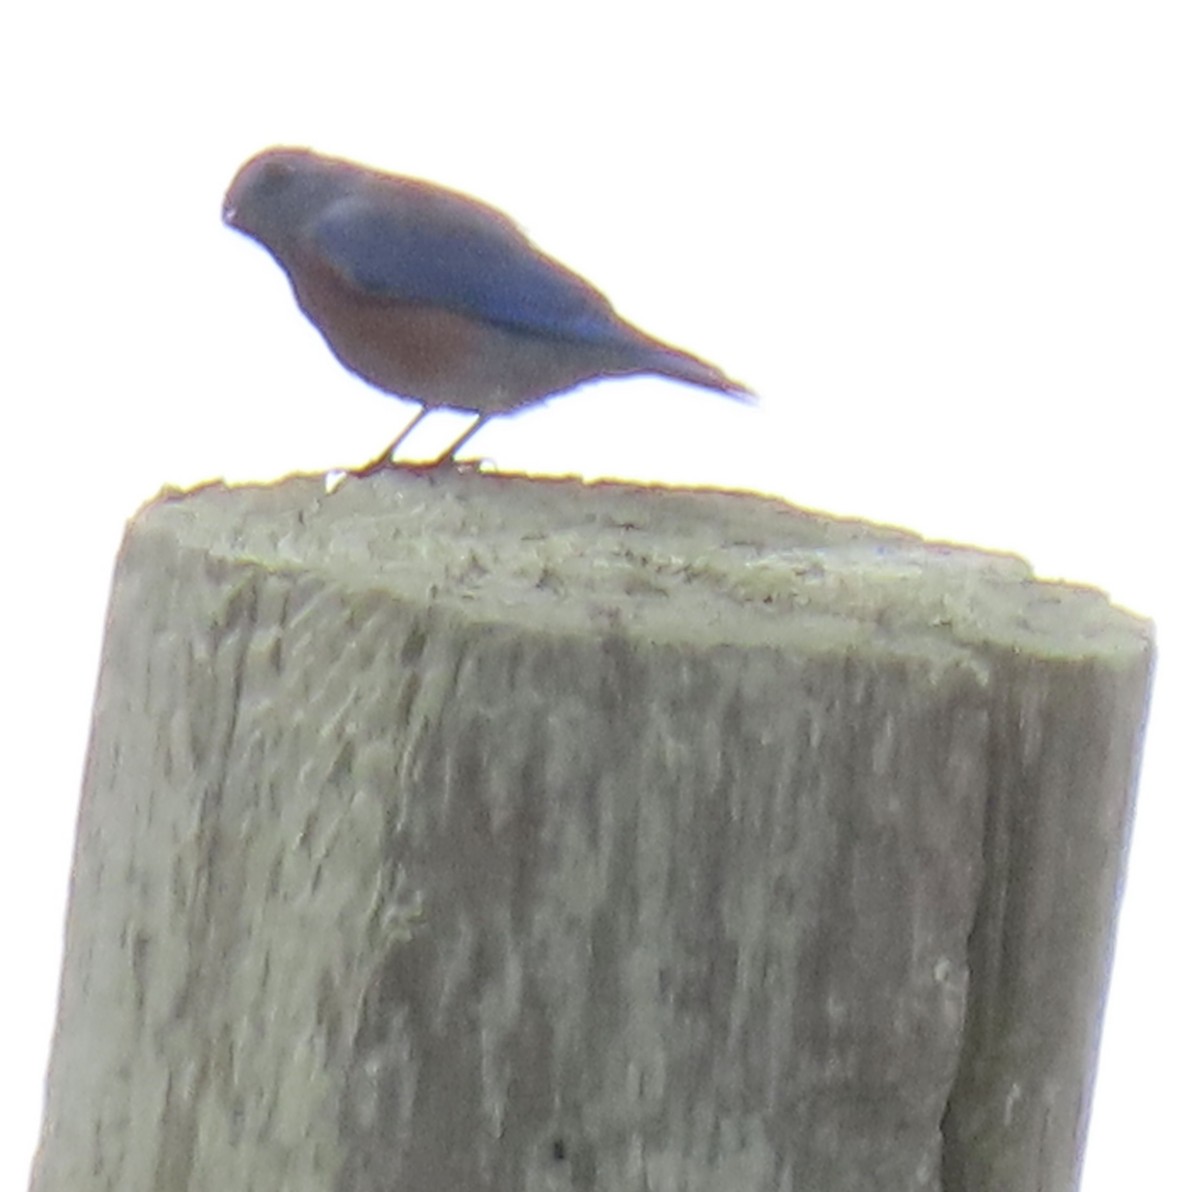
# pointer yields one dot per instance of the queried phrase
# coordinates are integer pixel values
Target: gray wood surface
(459, 833)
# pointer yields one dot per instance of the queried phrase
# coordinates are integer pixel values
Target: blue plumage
(475, 270)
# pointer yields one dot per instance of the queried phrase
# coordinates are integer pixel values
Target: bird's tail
(671, 362)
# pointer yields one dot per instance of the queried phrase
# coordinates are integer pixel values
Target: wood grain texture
(456, 833)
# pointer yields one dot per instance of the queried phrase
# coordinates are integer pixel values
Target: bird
(431, 295)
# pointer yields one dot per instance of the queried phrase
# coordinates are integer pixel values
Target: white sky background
(954, 246)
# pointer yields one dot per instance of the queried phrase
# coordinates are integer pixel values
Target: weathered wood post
(461, 833)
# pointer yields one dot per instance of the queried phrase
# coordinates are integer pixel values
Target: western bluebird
(434, 296)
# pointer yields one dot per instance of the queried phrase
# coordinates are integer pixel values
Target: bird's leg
(448, 455)
(384, 458)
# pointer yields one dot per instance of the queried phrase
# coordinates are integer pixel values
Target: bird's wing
(447, 251)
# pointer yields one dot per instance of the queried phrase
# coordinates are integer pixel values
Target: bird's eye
(276, 175)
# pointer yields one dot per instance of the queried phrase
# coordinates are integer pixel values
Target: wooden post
(464, 833)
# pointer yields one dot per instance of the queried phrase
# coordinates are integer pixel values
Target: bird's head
(277, 193)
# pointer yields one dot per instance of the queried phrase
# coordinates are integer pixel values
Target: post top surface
(706, 567)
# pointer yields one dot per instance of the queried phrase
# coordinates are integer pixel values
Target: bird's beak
(229, 212)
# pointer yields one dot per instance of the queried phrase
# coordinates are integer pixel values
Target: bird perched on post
(434, 296)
